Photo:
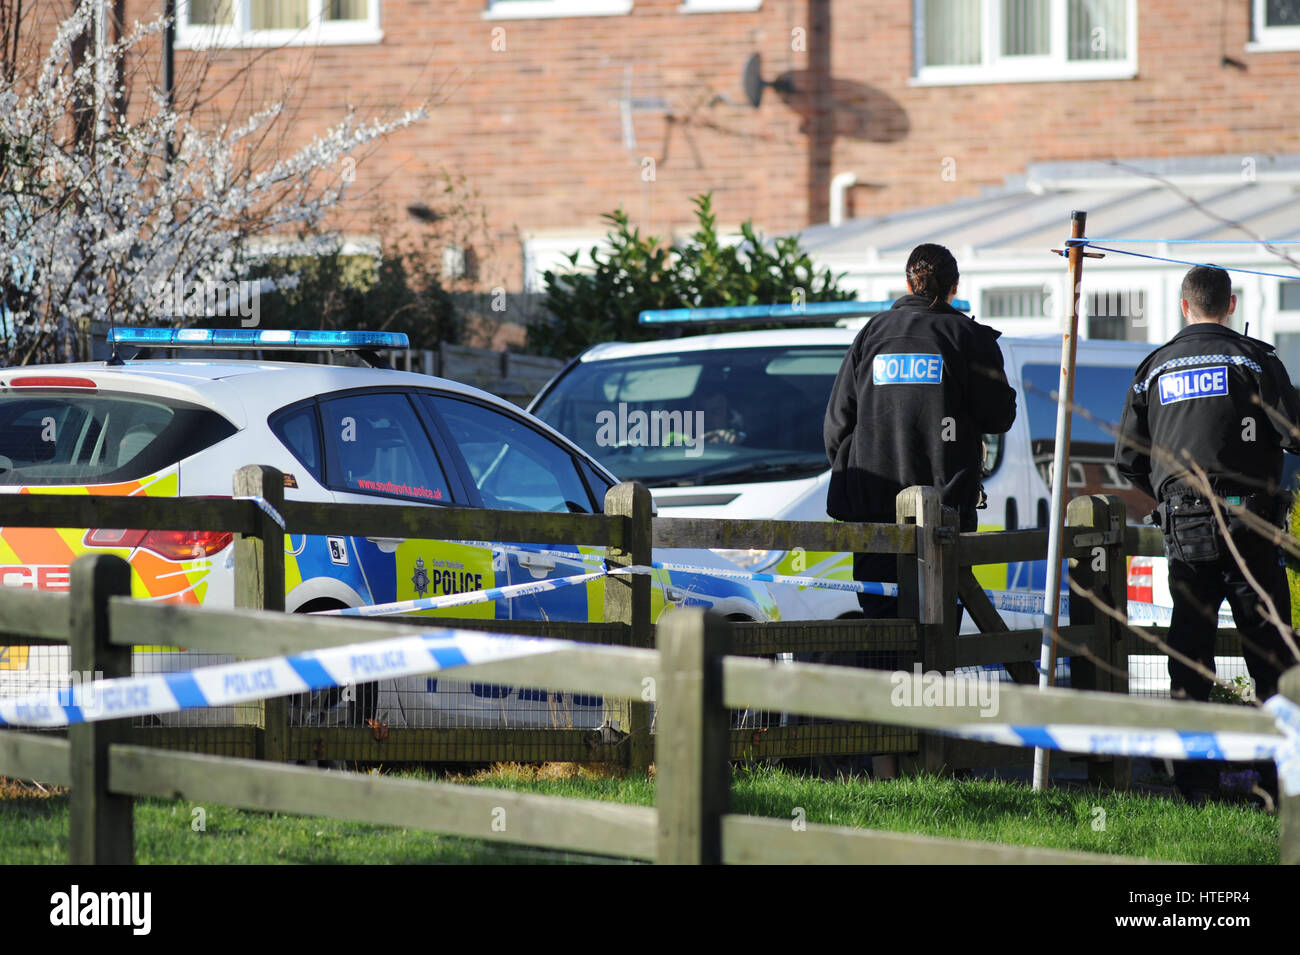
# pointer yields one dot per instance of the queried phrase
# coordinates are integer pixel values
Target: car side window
(297, 430)
(513, 466)
(375, 444)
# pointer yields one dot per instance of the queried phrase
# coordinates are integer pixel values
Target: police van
(754, 403)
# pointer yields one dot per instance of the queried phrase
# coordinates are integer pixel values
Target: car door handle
(537, 561)
(387, 545)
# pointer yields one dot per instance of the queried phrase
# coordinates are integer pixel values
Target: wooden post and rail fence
(936, 566)
(697, 683)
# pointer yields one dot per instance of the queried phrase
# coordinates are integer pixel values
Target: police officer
(1223, 401)
(919, 388)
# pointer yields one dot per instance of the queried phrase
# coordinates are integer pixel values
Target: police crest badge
(420, 579)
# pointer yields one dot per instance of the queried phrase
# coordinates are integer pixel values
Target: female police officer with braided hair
(916, 393)
(918, 390)
(1217, 399)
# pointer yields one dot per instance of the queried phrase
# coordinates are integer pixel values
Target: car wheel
(335, 706)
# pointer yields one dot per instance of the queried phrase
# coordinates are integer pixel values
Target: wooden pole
(259, 584)
(1060, 473)
(930, 594)
(628, 598)
(692, 775)
(1099, 565)
(101, 825)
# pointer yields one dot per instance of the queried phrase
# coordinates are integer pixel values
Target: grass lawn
(34, 826)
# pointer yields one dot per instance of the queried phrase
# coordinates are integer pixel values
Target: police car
(768, 390)
(181, 427)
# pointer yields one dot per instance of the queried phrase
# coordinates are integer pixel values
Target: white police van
(748, 408)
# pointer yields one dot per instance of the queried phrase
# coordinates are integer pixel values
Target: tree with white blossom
(105, 210)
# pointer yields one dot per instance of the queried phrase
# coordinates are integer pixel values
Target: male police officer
(916, 393)
(1222, 401)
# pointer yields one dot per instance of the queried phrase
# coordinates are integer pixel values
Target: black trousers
(1198, 589)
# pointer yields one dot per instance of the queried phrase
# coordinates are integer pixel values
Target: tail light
(1140, 589)
(50, 381)
(174, 545)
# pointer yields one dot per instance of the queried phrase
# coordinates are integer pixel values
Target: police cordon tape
(266, 508)
(1012, 601)
(555, 583)
(1283, 749)
(462, 599)
(250, 680)
(1121, 741)
(446, 649)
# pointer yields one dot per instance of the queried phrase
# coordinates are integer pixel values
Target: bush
(637, 273)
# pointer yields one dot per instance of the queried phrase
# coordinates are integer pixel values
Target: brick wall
(536, 127)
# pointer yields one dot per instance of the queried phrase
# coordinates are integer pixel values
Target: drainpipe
(839, 187)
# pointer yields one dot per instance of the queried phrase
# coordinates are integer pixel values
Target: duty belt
(1268, 506)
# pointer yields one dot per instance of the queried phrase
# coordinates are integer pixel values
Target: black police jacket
(920, 387)
(1198, 393)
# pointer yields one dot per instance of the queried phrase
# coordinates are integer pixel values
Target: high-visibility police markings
(1188, 361)
(907, 369)
(462, 599)
(1193, 383)
(420, 579)
(338, 548)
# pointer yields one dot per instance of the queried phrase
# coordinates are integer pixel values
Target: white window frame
(1265, 39)
(1120, 292)
(543, 252)
(318, 32)
(719, 6)
(550, 9)
(995, 68)
(974, 287)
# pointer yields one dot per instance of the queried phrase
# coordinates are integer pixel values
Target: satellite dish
(754, 83)
(753, 80)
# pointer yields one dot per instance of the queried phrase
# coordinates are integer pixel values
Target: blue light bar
(271, 338)
(808, 312)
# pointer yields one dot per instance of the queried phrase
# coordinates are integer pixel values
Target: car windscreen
(62, 437)
(738, 415)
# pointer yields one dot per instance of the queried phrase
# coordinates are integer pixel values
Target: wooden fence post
(927, 590)
(259, 585)
(692, 772)
(627, 600)
(1099, 565)
(1288, 810)
(101, 824)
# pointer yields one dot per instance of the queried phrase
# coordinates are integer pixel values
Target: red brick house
(560, 110)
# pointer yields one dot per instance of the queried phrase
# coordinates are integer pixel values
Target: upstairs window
(542, 9)
(1275, 25)
(998, 41)
(203, 24)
